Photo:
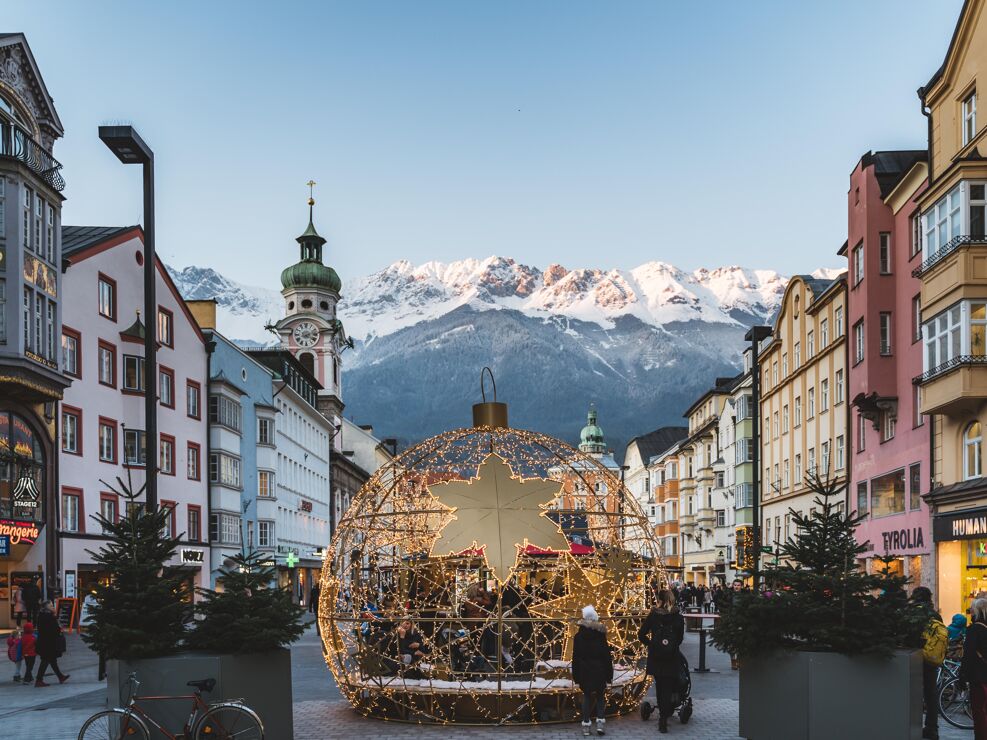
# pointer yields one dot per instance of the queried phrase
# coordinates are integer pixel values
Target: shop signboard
(4, 544)
(26, 493)
(193, 557)
(970, 524)
(904, 538)
(18, 531)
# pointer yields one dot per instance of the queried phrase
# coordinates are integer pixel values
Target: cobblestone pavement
(57, 712)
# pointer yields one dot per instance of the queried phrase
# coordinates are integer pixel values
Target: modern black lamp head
(126, 143)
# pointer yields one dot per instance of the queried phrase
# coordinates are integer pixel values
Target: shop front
(961, 550)
(25, 504)
(897, 531)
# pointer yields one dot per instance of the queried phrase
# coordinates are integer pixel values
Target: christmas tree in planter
(139, 613)
(816, 598)
(248, 615)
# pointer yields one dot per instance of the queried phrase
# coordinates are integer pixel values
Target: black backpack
(663, 638)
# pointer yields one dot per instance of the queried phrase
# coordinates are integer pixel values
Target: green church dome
(591, 439)
(309, 272)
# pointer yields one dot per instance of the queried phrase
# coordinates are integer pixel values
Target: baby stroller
(681, 701)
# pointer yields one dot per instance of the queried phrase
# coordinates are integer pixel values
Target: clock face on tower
(306, 334)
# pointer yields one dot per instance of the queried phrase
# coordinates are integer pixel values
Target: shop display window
(887, 494)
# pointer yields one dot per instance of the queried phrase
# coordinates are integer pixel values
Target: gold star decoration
(584, 588)
(500, 512)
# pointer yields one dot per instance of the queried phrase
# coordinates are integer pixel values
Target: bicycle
(228, 720)
(954, 696)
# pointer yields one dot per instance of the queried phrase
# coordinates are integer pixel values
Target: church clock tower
(310, 329)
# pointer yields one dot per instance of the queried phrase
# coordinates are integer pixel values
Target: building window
(194, 530)
(969, 121)
(167, 456)
(823, 334)
(166, 327)
(798, 469)
(784, 364)
(862, 498)
(890, 425)
(978, 211)
(917, 318)
(784, 419)
(39, 323)
(798, 411)
(72, 520)
(71, 361)
(824, 395)
(265, 431)
(744, 451)
(224, 469)
(721, 518)
(50, 326)
(3, 209)
(109, 509)
(885, 329)
(3, 288)
(39, 209)
(839, 388)
(917, 418)
(166, 387)
(811, 461)
(838, 321)
(265, 481)
(134, 447)
(884, 253)
(133, 373)
(774, 372)
(225, 411)
(71, 430)
(811, 409)
(915, 486)
(861, 433)
(825, 457)
(858, 264)
(973, 443)
(858, 341)
(50, 233)
(840, 452)
(107, 440)
(775, 427)
(107, 364)
(942, 222)
(798, 355)
(26, 230)
(916, 245)
(107, 297)
(265, 534)
(887, 494)
(786, 474)
(810, 341)
(169, 508)
(193, 399)
(193, 468)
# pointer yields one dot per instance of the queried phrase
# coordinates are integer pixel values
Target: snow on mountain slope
(402, 295)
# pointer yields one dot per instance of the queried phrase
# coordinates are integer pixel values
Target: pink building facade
(890, 439)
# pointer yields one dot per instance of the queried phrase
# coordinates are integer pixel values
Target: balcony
(954, 387)
(16, 143)
(687, 523)
(947, 249)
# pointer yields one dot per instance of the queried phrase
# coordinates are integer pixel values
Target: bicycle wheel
(229, 722)
(113, 724)
(954, 705)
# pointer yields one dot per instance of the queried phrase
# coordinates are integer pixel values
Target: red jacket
(28, 641)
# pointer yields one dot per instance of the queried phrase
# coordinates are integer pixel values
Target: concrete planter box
(262, 680)
(821, 696)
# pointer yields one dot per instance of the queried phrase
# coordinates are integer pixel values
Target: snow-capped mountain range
(641, 343)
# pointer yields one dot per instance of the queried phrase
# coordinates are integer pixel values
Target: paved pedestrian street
(57, 712)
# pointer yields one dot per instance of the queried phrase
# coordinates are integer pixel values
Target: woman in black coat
(973, 669)
(48, 644)
(592, 668)
(663, 632)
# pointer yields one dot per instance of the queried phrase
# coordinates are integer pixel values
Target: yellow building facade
(953, 384)
(803, 401)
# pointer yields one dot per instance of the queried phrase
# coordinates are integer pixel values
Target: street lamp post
(130, 148)
(755, 336)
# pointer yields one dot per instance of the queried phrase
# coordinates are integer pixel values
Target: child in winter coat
(29, 651)
(14, 652)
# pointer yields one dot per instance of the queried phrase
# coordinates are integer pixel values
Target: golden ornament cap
(489, 413)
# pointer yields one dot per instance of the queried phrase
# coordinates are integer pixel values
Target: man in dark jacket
(663, 632)
(48, 644)
(592, 668)
(32, 597)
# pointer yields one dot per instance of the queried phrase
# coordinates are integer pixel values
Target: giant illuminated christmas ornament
(452, 586)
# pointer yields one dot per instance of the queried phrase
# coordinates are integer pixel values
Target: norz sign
(964, 525)
(193, 556)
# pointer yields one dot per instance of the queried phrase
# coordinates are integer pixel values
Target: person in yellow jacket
(933, 654)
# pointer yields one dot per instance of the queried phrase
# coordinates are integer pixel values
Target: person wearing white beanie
(592, 668)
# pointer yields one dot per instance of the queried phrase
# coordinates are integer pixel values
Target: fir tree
(249, 614)
(816, 597)
(139, 613)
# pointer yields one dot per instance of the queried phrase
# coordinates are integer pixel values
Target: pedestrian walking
(15, 652)
(29, 651)
(663, 632)
(933, 655)
(973, 668)
(313, 600)
(31, 594)
(19, 608)
(50, 646)
(592, 669)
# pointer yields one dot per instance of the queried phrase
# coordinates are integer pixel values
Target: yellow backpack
(936, 641)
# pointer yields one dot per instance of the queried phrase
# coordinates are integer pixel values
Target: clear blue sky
(595, 134)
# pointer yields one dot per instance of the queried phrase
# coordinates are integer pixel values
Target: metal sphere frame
(490, 651)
